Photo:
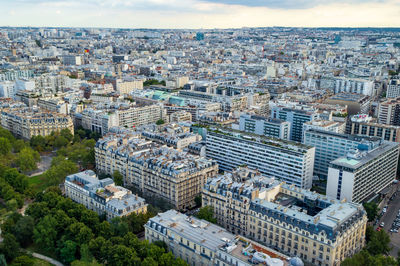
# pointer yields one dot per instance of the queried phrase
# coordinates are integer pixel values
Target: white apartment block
(284, 160)
(351, 85)
(269, 127)
(361, 175)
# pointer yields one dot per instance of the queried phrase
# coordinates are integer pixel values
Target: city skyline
(199, 14)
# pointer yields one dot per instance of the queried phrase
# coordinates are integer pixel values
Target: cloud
(199, 13)
(290, 4)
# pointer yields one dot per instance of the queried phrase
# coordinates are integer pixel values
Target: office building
(367, 126)
(269, 127)
(329, 146)
(360, 175)
(288, 161)
(296, 117)
(199, 242)
(102, 196)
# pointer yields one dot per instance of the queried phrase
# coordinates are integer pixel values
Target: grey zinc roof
(199, 231)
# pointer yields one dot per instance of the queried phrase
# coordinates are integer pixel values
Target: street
(389, 217)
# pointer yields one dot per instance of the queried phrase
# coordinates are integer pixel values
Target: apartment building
(389, 112)
(325, 125)
(367, 126)
(269, 127)
(128, 86)
(356, 103)
(27, 122)
(329, 146)
(361, 175)
(230, 196)
(178, 141)
(294, 221)
(102, 196)
(354, 85)
(126, 116)
(393, 89)
(176, 176)
(296, 117)
(113, 150)
(288, 161)
(180, 116)
(199, 242)
(53, 104)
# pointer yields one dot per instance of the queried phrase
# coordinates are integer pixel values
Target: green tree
(23, 261)
(372, 210)
(19, 145)
(160, 122)
(45, 234)
(60, 141)
(379, 243)
(38, 143)
(27, 159)
(23, 230)
(67, 252)
(17, 180)
(207, 213)
(4, 133)
(198, 200)
(9, 247)
(66, 133)
(118, 178)
(5, 146)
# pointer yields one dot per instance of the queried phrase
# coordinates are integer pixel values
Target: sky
(196, 14)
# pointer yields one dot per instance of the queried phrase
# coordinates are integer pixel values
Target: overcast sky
(200, 13)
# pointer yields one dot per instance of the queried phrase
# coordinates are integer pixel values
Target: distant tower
(199, 36)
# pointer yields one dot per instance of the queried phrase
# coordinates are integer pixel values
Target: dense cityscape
(251, 146)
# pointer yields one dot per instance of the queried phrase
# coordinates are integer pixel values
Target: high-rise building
(269, 127)
(296, 117)
(329, 146)
(393, 89)
(288, 161)
(361, 175)
(389, 112)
